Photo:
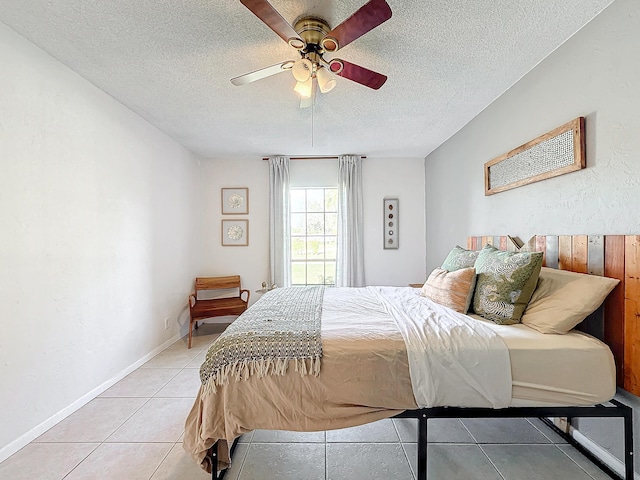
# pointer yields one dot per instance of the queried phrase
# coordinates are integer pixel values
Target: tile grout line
(404, 451)
(579, 466)
(475, 440)
(162, 461)
(244, 459)
(491, 461)
(541, 432)
(80, 462)
(326, 458)
(128, 418)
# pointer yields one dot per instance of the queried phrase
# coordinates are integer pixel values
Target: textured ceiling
(170, 61)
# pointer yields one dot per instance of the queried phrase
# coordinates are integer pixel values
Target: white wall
(98, 239)
(594, 74)
(402, 178)
(250, 262)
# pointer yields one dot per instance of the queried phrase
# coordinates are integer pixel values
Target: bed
(369, 372)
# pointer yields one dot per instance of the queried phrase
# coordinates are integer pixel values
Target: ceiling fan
(313, 38)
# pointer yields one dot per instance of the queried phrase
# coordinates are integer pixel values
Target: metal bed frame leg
(628, 444)
(422, 446)
(213, 456)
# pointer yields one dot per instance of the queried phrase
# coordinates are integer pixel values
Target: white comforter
(454, 360)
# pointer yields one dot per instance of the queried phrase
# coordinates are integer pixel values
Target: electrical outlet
(166, 323)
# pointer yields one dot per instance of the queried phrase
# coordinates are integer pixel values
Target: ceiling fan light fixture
(297, 43)
(329, 44)
(304, 89)
(302, 70)
(326, 80)
(336, 66)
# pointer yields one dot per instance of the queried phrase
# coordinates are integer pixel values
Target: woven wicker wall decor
(557, 152)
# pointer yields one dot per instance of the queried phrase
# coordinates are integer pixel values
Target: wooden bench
(200, 309)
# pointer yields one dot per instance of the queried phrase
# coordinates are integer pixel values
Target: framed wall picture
(235, 233)
(560, 151)
(235, 201)
(390, 225)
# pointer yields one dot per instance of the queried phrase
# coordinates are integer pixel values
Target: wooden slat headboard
(615, 256)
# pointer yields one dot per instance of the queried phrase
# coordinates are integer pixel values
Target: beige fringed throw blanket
(283, 325)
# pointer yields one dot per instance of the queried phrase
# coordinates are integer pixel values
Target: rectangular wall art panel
(557, 152)
(391, 223)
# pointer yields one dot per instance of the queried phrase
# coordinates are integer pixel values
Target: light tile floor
(134, 431)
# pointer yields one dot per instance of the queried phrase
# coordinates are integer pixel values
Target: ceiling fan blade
(366, 18)
(262, 73)
(359, 74)
(270, 16)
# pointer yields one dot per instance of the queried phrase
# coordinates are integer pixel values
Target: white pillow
(563, 299)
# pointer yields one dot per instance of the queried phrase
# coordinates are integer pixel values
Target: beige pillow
(563, 299)
(451, 289)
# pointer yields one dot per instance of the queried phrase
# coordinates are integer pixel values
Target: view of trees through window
(314, 234)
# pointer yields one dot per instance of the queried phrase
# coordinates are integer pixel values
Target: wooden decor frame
(390, 225)
(529, 155)
(615, 256)
(235, 233)
(235, 201)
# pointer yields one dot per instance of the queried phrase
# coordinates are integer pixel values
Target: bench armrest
(248, 294)
(192, 296)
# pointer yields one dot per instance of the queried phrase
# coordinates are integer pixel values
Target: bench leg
(190, 331)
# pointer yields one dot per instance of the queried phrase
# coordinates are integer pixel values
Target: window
(314, 235)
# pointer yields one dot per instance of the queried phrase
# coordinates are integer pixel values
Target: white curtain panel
(350, 255)
(279, 215)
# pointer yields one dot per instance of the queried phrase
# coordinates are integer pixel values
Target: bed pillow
(564, 299)
(459, 258)
(451, 289)
(506, 281)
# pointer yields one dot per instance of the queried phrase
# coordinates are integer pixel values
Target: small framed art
(391, 223)
(235, 201)
(235, 233)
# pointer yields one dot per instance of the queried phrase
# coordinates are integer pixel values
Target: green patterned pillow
(460, 258)
(506, 281)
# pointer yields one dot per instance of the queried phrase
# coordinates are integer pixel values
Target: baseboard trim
(35, 432)
(613, 462)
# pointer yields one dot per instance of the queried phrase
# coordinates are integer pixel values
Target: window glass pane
(298, 223)
(313, 236)
(315, 223)
(331, 224)
(298, 248)
(331, 200)
(298, 273)
(315, 248)
(329, 273)
(330, 248)
(297, 200)
(315, 200)
(315, 273)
